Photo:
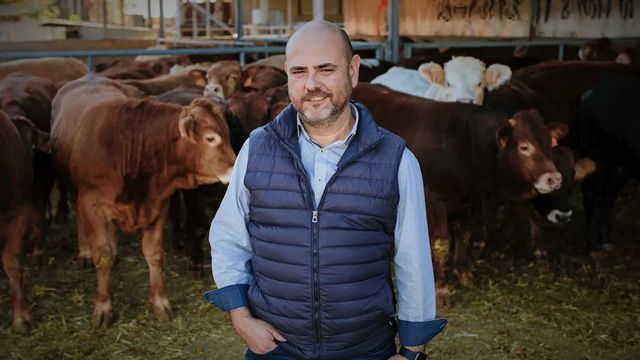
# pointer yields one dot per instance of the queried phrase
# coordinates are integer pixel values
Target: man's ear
(354, 70)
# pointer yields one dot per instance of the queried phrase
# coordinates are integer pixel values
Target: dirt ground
(574, 307)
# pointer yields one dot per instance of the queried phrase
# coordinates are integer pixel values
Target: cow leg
(154, 254)
(538, 247)
(615, 181)
(196, 228)
(43, 184)
(175, 207)
(100, 232)
(440, 247)
(591, 196)
(84, 241)
(15, 232)
(599, 193)
(461, 258)
(62, 210)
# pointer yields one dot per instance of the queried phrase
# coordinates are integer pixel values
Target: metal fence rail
(240, 50)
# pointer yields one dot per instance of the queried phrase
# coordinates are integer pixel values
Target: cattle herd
(137, 143)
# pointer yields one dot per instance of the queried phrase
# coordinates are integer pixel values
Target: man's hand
(259, 336)
(419, 348)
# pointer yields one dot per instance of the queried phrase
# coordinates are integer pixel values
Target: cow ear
(157, 68)
(432, 72)
(496, 75)
(41, 140)
(583, 168)
(25, 128)
(557, 131)
(504, 134)
(187, 127)
(198, 76)
(232, 79)
(623, 58)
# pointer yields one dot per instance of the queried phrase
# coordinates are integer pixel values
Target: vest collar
(367, 135)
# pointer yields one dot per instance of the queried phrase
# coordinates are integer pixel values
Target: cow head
(221, 80)
(555, 205)
(525, 145)
(32, 137)
(604, 50)
(206, 141)
(463, 79)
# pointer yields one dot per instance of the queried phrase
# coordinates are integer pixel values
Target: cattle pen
(539, 285)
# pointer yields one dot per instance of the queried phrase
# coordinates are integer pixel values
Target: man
(320, 201)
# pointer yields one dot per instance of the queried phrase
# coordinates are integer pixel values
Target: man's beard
(325, 115)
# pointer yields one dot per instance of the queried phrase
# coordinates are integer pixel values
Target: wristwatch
(412, 355)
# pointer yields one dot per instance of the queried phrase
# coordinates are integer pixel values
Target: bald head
(317, 31)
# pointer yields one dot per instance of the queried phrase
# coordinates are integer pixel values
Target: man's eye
(326, 70)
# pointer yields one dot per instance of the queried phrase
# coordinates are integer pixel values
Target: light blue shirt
(231, 247)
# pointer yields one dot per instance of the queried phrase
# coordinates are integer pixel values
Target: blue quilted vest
(321, 275)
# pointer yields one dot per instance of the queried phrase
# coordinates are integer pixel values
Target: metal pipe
(178, 19)
(238, 19)
(207, 22)
(318, 9)
(149, 14)
(561, 52)
(194, 23)
(393, 34)
(135, 52)
(161, 30)
(104, 19)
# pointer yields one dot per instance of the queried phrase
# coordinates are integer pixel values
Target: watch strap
(412, 355)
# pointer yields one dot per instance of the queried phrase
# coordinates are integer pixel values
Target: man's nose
(311, 82)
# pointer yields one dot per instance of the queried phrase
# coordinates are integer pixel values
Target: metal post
(207, 22)
(178, 19)
(104, 19)
(78, 7)
(393, 33)
(149, 14)
(289, 17)
(194, 23)
(561, 52)
(238, 21)
(89, 63)
(318, 9)
(161, 30)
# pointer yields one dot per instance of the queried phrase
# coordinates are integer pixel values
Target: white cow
(404, 80)
(463, 79)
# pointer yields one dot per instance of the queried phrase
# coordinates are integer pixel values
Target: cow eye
(213, 139)
(523, 147)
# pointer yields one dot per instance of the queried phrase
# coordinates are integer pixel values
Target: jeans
(279, 354)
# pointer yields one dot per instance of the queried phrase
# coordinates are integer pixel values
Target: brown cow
(145, 69)
(604, 49)
(30, 97)
(467, 155)
(15, 213)
(55, 69)
(227, 77)
(126, 157)
(83, 91)
(168, 82)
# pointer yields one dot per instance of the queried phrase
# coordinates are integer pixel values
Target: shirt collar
(354, 112)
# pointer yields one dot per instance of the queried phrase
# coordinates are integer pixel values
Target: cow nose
(465, 100)
(548, 182)
(564, 217)
(554, 181)
(213, 91)
(559, 217)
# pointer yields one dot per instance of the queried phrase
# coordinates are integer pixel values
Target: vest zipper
(314, 230)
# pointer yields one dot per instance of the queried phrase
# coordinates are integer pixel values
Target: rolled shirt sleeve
(230, 242)
(412, 261)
